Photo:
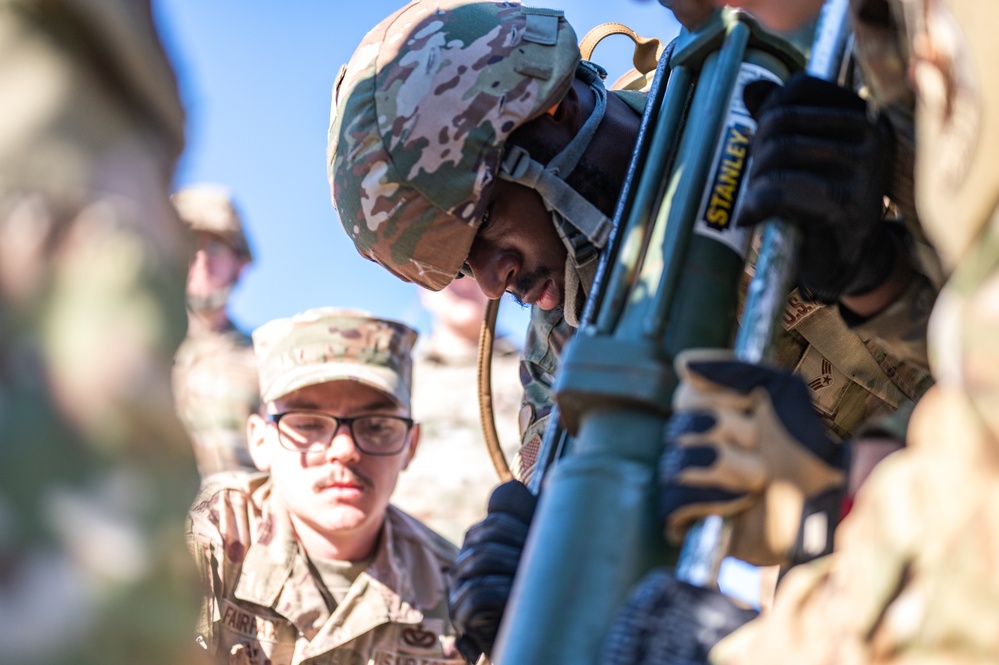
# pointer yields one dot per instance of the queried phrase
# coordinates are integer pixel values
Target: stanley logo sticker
(728, 176)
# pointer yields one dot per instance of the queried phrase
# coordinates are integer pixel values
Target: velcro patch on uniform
(826, 384)
(797, 310)
(235, 619)
(383, 657)
(536, 70)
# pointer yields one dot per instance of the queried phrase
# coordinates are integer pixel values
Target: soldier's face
(518, 249)
(214, 270)
(339, 495)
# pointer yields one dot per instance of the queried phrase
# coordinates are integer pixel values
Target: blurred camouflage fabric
(216, 389)
(448, 483)
(96, 472)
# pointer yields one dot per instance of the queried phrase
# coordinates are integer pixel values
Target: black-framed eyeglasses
(311, 431)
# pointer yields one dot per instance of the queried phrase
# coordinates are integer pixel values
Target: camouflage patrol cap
(420, 115)
(328, 344)
(210, 208)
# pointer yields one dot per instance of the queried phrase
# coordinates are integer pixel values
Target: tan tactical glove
(744, 442)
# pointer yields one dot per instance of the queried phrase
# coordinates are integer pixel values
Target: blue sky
(255, 78)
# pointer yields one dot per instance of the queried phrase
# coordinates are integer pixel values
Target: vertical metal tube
(706, 542)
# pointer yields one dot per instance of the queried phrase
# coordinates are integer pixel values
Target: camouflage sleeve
(547, 334)
(901, 327)
(220, 521)
(205, 542)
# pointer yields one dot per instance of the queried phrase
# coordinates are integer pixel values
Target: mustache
(342, 475)
(525, 283)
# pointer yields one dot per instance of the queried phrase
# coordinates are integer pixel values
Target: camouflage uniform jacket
(265, 603)
(215, 390)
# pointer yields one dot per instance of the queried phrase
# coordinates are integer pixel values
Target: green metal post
(595, 532)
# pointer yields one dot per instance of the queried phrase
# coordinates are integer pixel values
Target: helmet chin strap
(583, 228)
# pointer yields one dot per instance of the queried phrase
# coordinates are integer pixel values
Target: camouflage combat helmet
(210, 208)
(420, 118)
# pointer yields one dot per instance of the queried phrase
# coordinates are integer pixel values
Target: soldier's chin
(210, 302)
(550, 296)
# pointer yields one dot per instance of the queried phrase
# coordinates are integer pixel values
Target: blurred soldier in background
(96, 472)
(308, 561)
(449, 482)
(215, 374)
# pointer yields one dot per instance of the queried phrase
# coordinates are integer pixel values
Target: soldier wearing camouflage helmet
(307, 561)
(469, 138)
(215, 374)
(480, 143)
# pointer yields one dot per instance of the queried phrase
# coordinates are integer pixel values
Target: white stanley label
(720, 205)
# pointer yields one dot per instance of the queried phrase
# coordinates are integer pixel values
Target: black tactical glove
(745, 442)
(668, 622)
(483, 572)
(821, 162)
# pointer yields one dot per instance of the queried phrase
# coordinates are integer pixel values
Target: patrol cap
(330, 344)
(420, 117)
(210, 208)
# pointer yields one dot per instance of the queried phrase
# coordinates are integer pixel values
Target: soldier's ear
(256, 440)
(414, 441)
(568, 113)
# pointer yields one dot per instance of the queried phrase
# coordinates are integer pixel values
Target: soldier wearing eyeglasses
(308, 561)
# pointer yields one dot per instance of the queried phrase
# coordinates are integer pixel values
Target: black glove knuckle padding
(486, 559)
(677, 458)
(477, 605)
(673, 496)
(497, 528)
(819, 160)
(514, 498)
(668, 622)
(482, 575)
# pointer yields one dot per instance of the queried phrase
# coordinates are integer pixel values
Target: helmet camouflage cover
(419, 118)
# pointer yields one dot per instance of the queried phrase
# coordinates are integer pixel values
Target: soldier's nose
(494, 272)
